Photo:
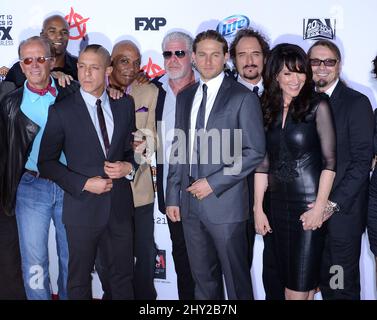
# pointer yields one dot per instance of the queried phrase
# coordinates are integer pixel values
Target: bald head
(56, 30)
(126, 60)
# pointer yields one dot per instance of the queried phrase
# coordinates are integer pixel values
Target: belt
(35, 174)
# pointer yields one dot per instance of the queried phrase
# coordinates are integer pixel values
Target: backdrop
(348, 23)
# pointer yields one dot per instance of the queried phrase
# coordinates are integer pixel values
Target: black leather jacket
(17, 135)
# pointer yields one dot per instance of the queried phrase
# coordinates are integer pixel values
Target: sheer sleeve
(264, 166)
(326, 132)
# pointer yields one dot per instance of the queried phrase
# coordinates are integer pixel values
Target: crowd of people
(280, 146)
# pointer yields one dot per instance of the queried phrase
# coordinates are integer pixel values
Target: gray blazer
(235, 107)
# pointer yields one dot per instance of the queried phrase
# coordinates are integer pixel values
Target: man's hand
(200, 189)
(173, 213)
(119, 169)
(139, 143)
(115, 93)
(3, 71)
(98, 185)
(63, 79)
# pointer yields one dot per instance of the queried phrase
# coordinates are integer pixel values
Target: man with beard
(354, 133)
(177, 49)
(248, 52)
(56, 30)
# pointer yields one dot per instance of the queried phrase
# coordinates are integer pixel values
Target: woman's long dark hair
(296, 60)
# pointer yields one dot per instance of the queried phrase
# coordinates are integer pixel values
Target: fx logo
(4, 33)
(153, 23)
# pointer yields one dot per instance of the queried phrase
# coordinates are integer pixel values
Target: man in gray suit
(215, 118)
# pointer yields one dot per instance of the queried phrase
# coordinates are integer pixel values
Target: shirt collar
(91, 100)
(330, 90)
(215, 83)
(34, 96)
(250, 85)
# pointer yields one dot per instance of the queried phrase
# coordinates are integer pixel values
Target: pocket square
(142, 109)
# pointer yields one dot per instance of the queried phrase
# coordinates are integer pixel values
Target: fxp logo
(229, 26)
(76, 21)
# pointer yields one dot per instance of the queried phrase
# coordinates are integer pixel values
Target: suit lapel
(116, 119)
(87, 122)
(188, 106)
(220, 102)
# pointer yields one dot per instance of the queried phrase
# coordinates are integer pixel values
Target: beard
(321, 83)
(251, 75)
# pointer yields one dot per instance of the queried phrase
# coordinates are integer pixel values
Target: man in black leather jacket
(23, 114)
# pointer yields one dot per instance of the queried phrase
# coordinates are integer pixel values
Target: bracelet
(331, 207)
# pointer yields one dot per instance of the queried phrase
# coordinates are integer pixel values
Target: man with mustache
(56, 30)
(248, 52)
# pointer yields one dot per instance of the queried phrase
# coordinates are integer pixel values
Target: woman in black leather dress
(299, 169)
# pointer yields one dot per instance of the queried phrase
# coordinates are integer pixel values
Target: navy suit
(91, 220)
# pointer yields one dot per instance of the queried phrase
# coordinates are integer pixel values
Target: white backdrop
(108, 22)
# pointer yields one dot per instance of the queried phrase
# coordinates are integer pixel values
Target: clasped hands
(113, 170)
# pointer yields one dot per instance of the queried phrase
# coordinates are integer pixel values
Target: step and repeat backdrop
(348, 23)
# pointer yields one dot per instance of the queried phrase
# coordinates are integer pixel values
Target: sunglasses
(179, 53)
(326, 62)
(40, 60)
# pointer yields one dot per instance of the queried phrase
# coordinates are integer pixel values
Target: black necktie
(102, 125)
(200, 120)
(256, 90)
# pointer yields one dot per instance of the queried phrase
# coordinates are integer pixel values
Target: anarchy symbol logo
(153, 70)
(76, 21)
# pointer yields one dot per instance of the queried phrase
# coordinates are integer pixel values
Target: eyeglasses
(40, 60)
(179, 53)
(326, 62)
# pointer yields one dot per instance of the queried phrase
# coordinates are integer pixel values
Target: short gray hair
(43, 41)
(178, 35)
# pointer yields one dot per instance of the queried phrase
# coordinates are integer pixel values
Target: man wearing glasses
(354, 132)
(56, 30)
(23, 192)
(177, 48)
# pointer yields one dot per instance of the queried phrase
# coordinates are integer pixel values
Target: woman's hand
(312, 219)
(261, 222)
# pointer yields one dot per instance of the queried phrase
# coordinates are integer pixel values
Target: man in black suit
(56, 29)
(177, 49)
(248, 52)
(215, 117)
(95, 134)
(354, 132)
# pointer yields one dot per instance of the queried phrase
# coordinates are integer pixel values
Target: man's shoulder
(144, 88)
(349, 94)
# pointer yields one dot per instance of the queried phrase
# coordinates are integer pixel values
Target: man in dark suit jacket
(205, 188)
(177, 49)
(354, 133)
(56, 29)
(95, 134)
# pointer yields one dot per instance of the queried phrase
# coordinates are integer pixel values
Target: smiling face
(92, 71)
(56, 29)
(209, 58)
(290, 83)
(126, 65)
(324, 76)
(37, 74)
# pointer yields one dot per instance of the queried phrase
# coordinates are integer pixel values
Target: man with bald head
(126, 60)
(56, 29)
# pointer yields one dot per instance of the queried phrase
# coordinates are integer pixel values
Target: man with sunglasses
(56, 30)
(177, 49)
(354, 132)
(206, 190)
(23, 192)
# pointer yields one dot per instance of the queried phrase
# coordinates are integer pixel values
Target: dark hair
(296, 60)
(374, 71)
(248, 33)
(210, 35)
(328, 44)
(97, 48)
